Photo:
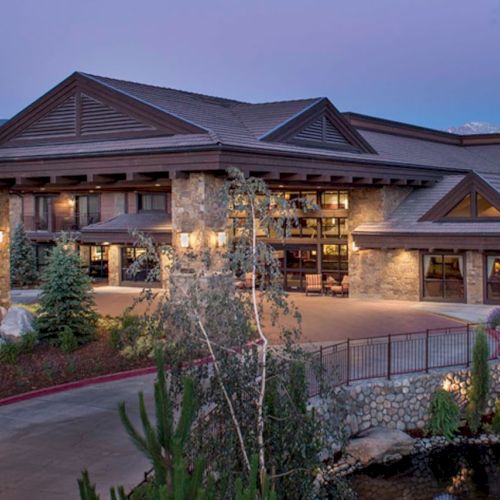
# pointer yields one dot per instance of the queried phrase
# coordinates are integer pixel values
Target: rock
(16, 323)
(379, 445)
(3, 312)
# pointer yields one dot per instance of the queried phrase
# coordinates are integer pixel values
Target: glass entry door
(443, 277)
(98, 262)
(492, 276)
(297, 262)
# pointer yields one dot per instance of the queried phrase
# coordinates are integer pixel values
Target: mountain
(475, 128)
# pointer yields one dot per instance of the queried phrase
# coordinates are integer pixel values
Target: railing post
(348, 360)
(427, 351)
(389, 357)
(320, 369)
(468, 345)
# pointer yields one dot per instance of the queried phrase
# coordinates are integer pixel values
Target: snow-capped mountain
(475, 128)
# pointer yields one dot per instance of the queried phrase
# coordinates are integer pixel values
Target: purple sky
(430, 62)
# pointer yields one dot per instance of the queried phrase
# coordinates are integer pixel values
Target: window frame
(166, 196)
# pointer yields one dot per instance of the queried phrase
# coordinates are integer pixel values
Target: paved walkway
(46, 442)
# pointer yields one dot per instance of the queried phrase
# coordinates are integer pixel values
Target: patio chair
(342, 288)
(246, 283)
(314, 283)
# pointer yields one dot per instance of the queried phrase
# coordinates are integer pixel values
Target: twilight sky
(434, 63)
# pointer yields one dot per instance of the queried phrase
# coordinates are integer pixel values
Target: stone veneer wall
(403, 402)
(388, 274)
(196, 209)
(474, 269)
(5, 249)
(114, 265)
(15, 211)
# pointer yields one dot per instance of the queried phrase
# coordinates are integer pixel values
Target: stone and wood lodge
(406, 212)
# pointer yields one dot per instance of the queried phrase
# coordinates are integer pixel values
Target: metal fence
(396, 354)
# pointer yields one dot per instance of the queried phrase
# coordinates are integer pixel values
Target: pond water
(465, 472)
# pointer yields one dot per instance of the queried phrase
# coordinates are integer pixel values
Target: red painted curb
(110, 377)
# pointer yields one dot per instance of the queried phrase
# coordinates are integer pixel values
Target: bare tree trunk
(263, 362)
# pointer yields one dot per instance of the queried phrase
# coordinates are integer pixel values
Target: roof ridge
(196, 94)
(315, 99)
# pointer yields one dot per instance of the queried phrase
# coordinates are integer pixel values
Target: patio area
(326, 319)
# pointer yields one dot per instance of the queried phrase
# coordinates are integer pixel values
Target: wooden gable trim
(76, 84)
(472, 183)
(322, 107)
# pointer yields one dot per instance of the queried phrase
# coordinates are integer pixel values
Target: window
(143, 269)
(492, 275)
(443, 277)
(462, 209)
(334, 227)
(87, 210)
(98, 262)
(485, 208)
(153, 202)
(473, 206)
(41, 213)
(333, 200)
(335, 260)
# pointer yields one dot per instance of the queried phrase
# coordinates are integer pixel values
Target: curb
(110, 377)
(45, 391)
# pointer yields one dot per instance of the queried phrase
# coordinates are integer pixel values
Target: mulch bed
(47, 366)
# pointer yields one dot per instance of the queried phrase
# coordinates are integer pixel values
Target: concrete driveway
(47, 441)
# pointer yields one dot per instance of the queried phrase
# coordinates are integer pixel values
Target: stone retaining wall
(403, 402)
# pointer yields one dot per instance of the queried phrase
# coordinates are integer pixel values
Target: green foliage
(480, 382)
(67, 340)
(66, 301)
(495, 422)
(252, 491)
(124, 332)
(444, 414)
(22, 259)
(10, 350)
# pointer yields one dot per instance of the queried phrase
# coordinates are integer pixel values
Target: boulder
(380, 445)
(16, 323)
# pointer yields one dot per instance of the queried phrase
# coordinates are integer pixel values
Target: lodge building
(406, 212)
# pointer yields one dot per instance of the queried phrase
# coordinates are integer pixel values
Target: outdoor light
(221, 238)
(71, 202)
(355, 247)
(1, 236)
(184, 239)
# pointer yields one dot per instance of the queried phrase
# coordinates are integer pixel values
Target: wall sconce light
(184, 240)
(71, 202)
(355, 247)
(1, 236)
(221, 238)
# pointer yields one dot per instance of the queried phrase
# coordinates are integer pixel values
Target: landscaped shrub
(124, 331)
(495, 422)
(480, 382)
(22, 259)
(10, 349)
(493, 319)
(66, 301)
(444, 414)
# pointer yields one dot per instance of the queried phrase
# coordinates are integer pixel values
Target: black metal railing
(57, 223)
(396, 354)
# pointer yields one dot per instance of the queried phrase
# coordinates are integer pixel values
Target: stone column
(387, 274)
(4, 249)
(114, 265)
(198, 211)
(474, 269)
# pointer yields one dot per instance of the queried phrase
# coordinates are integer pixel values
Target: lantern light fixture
(1, 236)
(221, 238)
(184, 240)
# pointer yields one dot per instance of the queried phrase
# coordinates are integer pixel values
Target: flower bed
(46, 366)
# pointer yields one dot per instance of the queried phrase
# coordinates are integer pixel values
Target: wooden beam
(293, 176)
(318, 178)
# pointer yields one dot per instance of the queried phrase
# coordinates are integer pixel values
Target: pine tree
(22, 259)
(67, 317)
(480, 382)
